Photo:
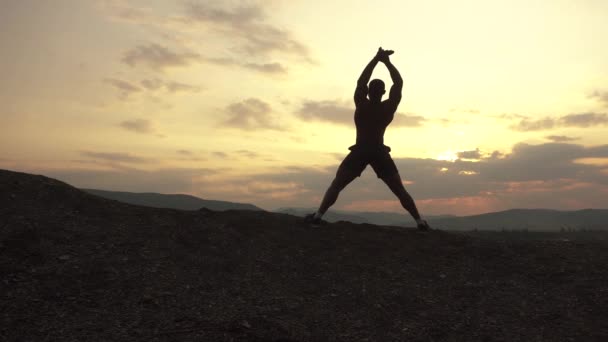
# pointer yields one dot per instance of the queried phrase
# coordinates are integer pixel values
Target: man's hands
(382, 55)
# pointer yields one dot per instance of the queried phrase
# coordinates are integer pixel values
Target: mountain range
(513, 219)
(173, 201)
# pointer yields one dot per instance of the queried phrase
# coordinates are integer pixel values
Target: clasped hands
(382, 55)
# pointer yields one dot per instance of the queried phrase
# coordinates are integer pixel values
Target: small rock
(442, 276)
(246, 324)
(64, 257)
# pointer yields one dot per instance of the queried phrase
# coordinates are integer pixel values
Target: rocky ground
(76, 267)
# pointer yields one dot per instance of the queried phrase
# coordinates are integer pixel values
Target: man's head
(376, 90)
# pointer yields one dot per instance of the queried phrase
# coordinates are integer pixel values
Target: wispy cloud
(264, 68)
(561, 138)
(171, 86)
(185, 152)
(474, 154)
(115, 157)
(219, 154)
(534, 125)
(250, 114)
(126, 88)
(248, 154)
(248, 24)
(164, 180)
(329, 111)
(600, 95)
(408, 120)
(581, 120)
(267, 68)
(158, 57)
(248, 37)
(338, 112)
(141, 126)
(584, 120)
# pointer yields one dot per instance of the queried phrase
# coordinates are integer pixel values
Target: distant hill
(514, 219)
(79, 267)
(529, 219)
(173, 201)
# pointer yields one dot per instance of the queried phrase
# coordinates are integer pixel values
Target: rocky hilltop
(77, 267)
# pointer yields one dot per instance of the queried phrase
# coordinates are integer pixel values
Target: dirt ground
(76, 267)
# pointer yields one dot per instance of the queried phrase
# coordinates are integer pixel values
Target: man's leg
(343, 177)
(407, 202)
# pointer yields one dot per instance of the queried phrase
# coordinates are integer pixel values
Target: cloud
(252, 39)
(584, 120)
(330, 111)
(561, 138)
(264, 68)
(185, 152)
(601, 96)
(534, 125)
(123, 11)
(530, 176)
(153, 84)
(239, 155)
(250, 114)
(407, 120)
(247, 24)
(175, 87)
(546, 170)
(115, 157)
(268, 68)
(171, 86)
(164, 180)
(125, 87)
(141, 126)
(158, 57)
(248, 154)
(338, 112)
(581, 120)
(475, 154)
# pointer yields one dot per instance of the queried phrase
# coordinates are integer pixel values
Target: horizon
(505, 105)
(342, 210)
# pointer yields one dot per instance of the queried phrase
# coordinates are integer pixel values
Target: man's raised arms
(394, 95)
(361, 90)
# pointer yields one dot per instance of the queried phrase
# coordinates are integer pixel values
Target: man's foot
(313, 221)
(423, 225)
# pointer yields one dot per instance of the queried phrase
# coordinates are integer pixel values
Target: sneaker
(424, 226)
(312, 221)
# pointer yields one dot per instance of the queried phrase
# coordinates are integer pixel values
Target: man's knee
(392, 179)
(343, 178)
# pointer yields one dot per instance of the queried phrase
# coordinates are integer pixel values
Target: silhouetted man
(372, 116)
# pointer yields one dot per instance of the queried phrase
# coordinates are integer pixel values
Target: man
(372, 116)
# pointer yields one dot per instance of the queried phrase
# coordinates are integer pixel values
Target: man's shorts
(377, 156)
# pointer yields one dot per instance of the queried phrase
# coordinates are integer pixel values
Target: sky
(505, 103)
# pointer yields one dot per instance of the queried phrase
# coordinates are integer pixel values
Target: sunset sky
(505, 103)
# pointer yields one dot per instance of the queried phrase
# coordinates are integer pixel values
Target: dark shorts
(378, 157)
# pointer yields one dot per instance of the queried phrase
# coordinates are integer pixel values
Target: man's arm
(394, 95)
(367, 72)
(361, 91)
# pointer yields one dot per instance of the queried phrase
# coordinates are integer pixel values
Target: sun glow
(448, 156)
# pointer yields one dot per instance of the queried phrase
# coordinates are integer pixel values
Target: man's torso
(371, 120)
